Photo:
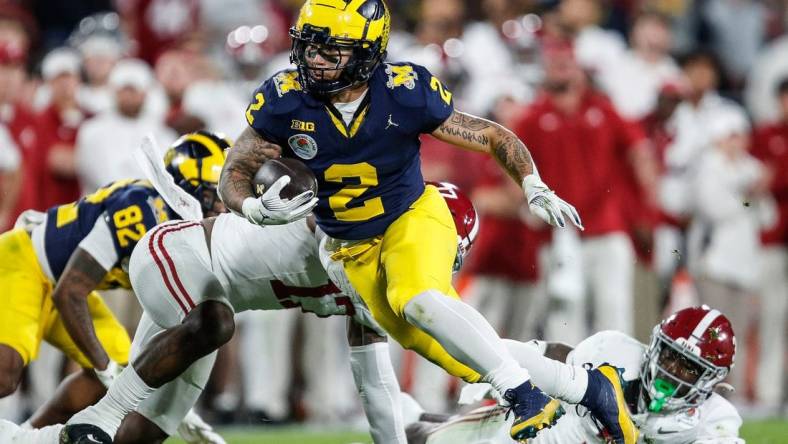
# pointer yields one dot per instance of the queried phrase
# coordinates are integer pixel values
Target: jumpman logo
(391, 123)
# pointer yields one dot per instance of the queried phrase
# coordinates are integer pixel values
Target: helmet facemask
(667, 375)
(363, 57)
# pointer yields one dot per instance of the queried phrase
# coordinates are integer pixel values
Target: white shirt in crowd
(769, 69)
(633, 83)
(690, 124)
(105, 145)
(724, 237)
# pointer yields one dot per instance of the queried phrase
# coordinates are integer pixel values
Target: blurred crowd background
(665, 122)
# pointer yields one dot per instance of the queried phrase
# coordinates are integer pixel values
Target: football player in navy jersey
(356, 121)
(52, 263)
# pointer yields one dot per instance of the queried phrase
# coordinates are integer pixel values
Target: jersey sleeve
(269, 103)
(130, 216)
(438, 100)
(99, 243)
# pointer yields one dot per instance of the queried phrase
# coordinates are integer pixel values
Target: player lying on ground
(356, 122)
(670, 387)
(51, 265)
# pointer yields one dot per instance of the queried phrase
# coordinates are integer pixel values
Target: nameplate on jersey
(303, 145)
(286, 82)
(401, 76)
(302, 126)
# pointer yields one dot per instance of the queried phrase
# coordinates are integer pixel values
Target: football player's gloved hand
(272, 209)
(194, 430)
(109, 374)
(544, 203)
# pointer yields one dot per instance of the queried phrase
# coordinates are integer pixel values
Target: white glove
(544, 203)
(109, 374)
(271, 209)
(194, 430)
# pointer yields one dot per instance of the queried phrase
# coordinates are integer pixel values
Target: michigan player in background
(670, 388)
(355, 121)
(52, 263)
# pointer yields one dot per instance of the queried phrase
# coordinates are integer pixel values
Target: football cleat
(605, 399)
(83, 434)
(533, 411)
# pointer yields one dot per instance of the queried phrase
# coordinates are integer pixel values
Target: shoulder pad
(281, 94)
(406, 82)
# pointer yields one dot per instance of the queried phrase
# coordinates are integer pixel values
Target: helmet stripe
(697, 334)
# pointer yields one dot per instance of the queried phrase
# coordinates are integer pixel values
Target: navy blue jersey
(132, 207)
(368, 172)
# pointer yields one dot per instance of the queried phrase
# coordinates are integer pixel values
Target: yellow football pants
(415, 254)
(28, 314)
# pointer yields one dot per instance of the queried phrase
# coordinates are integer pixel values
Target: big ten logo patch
(302, 126)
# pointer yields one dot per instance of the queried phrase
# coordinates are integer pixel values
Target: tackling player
(670, 387)
(53, 262)
(182, 268)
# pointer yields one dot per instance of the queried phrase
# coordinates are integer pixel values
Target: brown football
(301, 177)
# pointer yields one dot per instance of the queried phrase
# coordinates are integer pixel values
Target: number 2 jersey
(368, 170)
(107, 224)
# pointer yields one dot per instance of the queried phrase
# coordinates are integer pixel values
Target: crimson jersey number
(285, 294)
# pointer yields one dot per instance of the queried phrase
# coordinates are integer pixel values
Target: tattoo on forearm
(512, 154)
(466, 127)
(81, 276)
(243, 160)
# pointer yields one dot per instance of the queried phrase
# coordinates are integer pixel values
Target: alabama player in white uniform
(670, 388)
(179, 266)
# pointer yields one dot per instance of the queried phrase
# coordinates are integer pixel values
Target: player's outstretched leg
(206, 328)
(468, 337)
(599, 389)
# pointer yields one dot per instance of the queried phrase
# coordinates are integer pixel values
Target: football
(301, 177)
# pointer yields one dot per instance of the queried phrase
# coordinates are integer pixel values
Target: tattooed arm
(243, 160)
(477, 134)
(81, 276)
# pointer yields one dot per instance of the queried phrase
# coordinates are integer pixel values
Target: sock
(562, 381)
(123, 396)
(379, 391)
(466, 336)
(26, 425)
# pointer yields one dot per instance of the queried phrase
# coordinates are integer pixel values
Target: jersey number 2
(366, 176)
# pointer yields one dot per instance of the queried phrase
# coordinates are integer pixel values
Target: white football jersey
(272, 267)
(714, 421)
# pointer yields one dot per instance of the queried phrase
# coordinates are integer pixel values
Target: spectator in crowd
(57, 129)
(156, 26)
(19, 191)
(575, 135)
(738, 29)
(99, 54)
(771, 147)
(633, 83)
(723, 237)
(691, 122)
(176, 71)
(595, 47)
(105, 142)
(769, 67)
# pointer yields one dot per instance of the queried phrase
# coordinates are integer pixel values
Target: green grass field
(756, 432)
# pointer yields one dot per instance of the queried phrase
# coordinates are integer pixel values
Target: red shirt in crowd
(56, 129)
(159, 25)
(770, 145)
(581, 157)
(21, 124)
(505, 246)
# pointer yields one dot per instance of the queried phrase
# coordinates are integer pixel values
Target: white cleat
(194, 430)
